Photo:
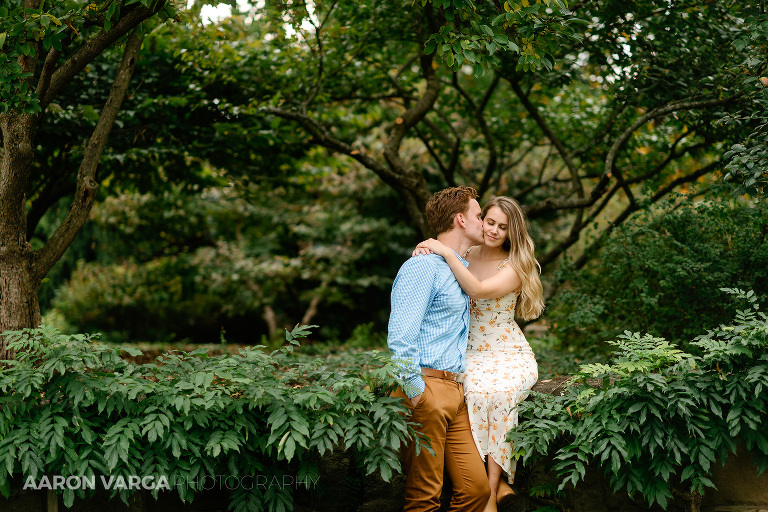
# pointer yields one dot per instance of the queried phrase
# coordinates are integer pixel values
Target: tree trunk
(52, 501)
(21, 269)
(270, 318)
(19, 307)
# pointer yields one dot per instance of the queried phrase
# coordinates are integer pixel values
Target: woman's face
(495, 227)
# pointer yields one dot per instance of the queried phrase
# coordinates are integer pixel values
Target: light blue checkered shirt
(429, 321)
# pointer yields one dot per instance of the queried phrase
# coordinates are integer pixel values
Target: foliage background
(270, 169)
(245, 185)
(663, 273)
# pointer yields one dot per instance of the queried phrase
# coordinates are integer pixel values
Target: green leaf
(289, 448)
(68, 496)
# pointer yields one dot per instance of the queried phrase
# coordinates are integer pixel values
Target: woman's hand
(421, 251)
(430, 246)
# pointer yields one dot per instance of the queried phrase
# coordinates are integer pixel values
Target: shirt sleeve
(411, 296)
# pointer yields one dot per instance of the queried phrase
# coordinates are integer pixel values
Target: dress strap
(503, 263)
(466, 253)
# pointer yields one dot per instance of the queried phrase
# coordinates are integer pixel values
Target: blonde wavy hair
(520, 245)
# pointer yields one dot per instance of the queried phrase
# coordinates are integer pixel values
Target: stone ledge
(553, 386)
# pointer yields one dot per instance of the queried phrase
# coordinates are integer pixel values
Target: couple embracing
(465, 368)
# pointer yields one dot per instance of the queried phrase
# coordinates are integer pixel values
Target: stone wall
(739, 488)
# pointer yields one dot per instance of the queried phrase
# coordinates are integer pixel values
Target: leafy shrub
(170, 297)
(663, 272)
(251, 258)
(657, 418)
(70, 407)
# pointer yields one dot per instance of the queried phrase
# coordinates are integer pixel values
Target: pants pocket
(427, 394)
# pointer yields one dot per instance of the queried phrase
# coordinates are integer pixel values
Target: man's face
(474, 227)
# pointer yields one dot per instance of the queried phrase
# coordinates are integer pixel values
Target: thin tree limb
(549, 204)
(85, 194)
(660, 194)
(478, 113)
(90, 50)
(550, 134)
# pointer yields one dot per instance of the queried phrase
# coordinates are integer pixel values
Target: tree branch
(539, 180)
(439, 132)
(51, 86)
(589, 252)
(478, 112)
(601, 134)
(657, 112)
(45, 74)
(548, 204)
(667, 160)
(625, 186)
(55, 188)
(576, 184)
(404, 183)
(29, 64)
(449, 171)
(319, 57)
(686, 179)
(85, 194)
(413, 115)
(322, 136)
(582, 260)
(446, 172)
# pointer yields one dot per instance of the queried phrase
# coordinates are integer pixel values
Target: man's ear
(459, 220)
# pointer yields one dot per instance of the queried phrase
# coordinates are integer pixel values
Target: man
(428, 329)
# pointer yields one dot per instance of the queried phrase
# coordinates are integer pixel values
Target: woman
(502, 279)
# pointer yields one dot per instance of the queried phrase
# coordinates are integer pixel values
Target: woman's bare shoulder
(466, 254)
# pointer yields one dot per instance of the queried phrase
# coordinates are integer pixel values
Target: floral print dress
(501, 369)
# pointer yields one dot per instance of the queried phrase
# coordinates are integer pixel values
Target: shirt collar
(462, 260)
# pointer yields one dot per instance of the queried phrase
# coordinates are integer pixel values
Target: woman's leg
(494, 474)
(500, 489)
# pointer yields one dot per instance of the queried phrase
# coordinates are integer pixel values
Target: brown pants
(443, 416)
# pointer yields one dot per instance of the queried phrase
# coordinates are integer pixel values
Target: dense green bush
(166, 298)
(663, 273)
(657, 418)
(249, 258)
(71, 407)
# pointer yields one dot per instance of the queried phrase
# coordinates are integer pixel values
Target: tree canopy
(631, 109)
(253, 146)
